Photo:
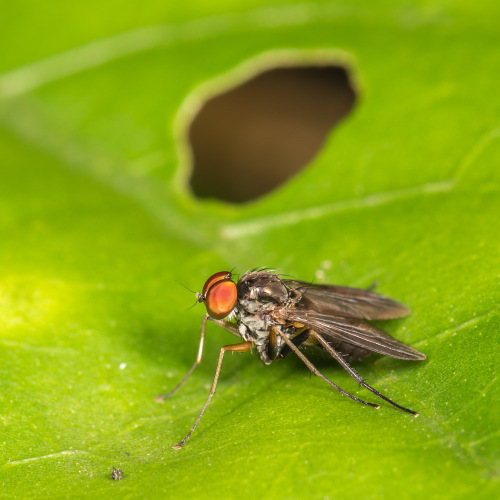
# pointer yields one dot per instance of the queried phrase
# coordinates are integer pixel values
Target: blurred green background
(97, 225)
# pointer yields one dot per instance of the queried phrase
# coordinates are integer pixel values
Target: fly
(279, 316)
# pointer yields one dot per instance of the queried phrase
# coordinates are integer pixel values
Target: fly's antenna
(184, 286)
(199, 297)
(189, 308)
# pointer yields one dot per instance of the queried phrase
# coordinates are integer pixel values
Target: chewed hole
(249, 140)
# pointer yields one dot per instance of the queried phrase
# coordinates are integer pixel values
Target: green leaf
(97, 224)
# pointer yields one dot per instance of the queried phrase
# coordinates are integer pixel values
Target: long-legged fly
(279, 316)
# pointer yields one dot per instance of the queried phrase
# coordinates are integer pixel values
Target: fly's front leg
(162, 397)
(227, 325)
(241, 347)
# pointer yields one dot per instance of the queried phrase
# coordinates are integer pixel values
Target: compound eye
(222, 275)
(221, 298)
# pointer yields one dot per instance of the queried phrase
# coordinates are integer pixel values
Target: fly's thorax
(261, 297)
(255, 328)
(262, 291)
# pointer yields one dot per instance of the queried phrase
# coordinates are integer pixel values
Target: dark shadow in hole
(251, 139)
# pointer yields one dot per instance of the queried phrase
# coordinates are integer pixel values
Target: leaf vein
(258, 225)
(45, 457)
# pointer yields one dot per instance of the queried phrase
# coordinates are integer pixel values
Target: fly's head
(219, 295)
(262, 292)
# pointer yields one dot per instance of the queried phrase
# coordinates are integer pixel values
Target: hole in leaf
(252, 138)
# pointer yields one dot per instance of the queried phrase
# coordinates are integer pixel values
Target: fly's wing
(345, 301)
(353, 331)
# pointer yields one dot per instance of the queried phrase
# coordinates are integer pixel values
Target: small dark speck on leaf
(117, 474)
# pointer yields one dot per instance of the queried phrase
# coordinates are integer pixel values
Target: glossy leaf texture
(97, 227)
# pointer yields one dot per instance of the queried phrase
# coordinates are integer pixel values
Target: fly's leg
(348, 368)
(314, 370)
(162, 397)
(230, 327)
(297, 341)
(227, 325)
(241, 347)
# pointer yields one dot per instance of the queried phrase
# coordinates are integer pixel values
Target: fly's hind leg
(314, 370)
(276, 350)
(296, 341)
(348, 368)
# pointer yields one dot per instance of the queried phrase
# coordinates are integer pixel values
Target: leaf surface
(97, 226)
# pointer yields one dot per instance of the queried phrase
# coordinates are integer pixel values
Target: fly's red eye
(222, 275)
(221, 298)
